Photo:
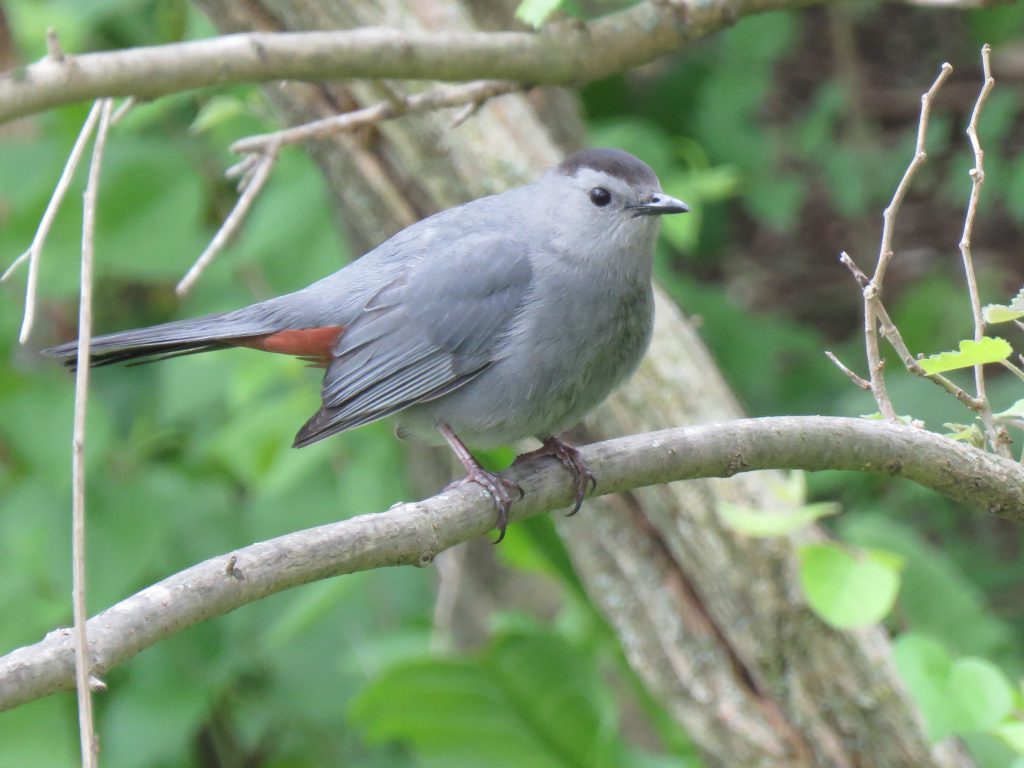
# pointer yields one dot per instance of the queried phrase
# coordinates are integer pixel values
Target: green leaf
(924, 665)
(848, 590)
(956, 697)
(1001, 313)
(971, 353)
(967, 433)
(982, 693)
(962, 617)
(1015, 411)
(530, 699)
(765, 523)
(791, 490)
(217, 111)
(536, 12)
(1012, 735)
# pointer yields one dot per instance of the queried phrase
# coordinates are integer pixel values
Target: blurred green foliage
(786, 146)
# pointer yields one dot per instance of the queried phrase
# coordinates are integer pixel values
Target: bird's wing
(427, 332)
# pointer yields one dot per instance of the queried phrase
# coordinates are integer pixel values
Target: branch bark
(559, 54)
(414, 533)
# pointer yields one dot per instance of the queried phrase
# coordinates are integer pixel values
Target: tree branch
(412, 534)
(559, 54)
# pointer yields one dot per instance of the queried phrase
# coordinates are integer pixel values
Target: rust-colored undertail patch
(312, 344)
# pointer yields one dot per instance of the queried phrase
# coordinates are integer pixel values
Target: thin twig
(233, 221)
(449, 580)
(891, 334)
(885, 252)
(858, 380)
(261, 151)
(876, 385)
(873, 289)
(87, 730)
(1012, 369)
(858, 273)
(36, 248)
(977, 174)
(439, 98)
(122, 110)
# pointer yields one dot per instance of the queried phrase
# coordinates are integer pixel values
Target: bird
(504, 318)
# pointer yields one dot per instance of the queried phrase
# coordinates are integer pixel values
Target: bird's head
(608, 203)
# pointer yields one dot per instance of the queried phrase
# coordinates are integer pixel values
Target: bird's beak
(657, 204)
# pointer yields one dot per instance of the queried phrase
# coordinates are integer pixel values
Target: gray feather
(429, 331)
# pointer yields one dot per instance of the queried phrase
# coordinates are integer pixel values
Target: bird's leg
(572, 460)
(497, 486)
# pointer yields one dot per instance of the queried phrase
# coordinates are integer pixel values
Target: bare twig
(449, 580)
(977, 174)
(243, 166)
(858, 273)
(122, 110)
(858, 380)
(261, 151)
(891, 334)
(876, 384)
(87, 730)
(1013, 368)
(412, 534)
(252, 182)
(872, 289)
(885, 252)
(35, 249)
(449, 96)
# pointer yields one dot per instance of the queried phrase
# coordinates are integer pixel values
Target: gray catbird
(504, 318)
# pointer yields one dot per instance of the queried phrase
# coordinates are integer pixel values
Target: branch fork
(876, 318)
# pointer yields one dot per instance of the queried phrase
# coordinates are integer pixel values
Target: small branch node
(232, 570)
(53, 49)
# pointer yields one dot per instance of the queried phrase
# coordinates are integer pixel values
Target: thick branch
(412, 534)
(560, 54)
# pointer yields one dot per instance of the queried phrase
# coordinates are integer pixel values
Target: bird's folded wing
(427, 332)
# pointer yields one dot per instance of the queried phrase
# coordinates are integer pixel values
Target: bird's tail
(158, 342)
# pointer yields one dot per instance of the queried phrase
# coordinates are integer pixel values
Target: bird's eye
(600, 196)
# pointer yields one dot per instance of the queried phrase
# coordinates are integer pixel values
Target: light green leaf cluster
(967, 433)
(957, 696)
(787, 514)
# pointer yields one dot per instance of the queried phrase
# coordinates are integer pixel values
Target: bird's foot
(572, 460)
(500, 488)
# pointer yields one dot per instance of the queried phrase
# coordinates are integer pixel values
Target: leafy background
(786, 133)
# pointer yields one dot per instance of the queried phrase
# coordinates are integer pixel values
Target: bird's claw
(500, 490)
(571, 459)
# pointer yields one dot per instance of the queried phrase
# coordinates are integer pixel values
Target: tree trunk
(713, 622)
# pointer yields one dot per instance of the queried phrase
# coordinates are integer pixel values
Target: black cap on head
(614, 162)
